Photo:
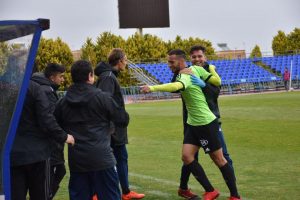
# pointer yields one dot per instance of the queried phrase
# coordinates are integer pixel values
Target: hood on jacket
(79, 94)
(104, 67)
(40, 78)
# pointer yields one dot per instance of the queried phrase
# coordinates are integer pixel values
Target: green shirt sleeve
(212, 70)
(215, 81)
(169, 87)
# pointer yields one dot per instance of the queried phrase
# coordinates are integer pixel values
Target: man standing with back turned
(86, 112)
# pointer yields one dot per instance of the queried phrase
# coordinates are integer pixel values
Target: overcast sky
(239, 23)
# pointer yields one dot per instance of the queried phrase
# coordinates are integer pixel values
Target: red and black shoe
(188, 194)
(132, 195)
(211, 195)
(95, 197)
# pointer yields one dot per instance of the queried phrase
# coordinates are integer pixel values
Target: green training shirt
(198, 111)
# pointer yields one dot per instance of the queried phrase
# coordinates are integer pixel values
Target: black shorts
(205, 136)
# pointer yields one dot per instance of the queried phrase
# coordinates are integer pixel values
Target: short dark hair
(177, 52)
(53, 69)
(197, 48)
(80, 71)
(115, 56)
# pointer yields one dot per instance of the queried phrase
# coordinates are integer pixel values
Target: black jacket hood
(40, 78)
(79, 94)
(104, 67)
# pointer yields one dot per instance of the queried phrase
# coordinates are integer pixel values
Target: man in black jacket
(86, 112)
(30, 155)
(108, 82)
(50, 81)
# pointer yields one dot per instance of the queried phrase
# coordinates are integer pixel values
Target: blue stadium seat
(235, 69)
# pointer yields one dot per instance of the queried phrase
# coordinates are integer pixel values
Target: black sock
(185, 175)
(184, 178)
(200, 175)
(229, 178)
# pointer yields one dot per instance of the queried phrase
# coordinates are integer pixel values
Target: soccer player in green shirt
(211, 92)
(202, 126)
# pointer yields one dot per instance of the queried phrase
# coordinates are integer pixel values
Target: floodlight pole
(140, 31)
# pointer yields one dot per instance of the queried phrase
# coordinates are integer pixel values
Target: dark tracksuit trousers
(121, 155)
(34, 178)
(57, 174)
(103, 183)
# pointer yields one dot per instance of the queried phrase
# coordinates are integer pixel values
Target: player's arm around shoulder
(212, 78)
(215, 78)
(212, 70)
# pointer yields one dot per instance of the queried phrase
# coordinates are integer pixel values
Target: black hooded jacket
(48, 87)
(86, 113)
(108, 82)
(37, 127)
(57, 154)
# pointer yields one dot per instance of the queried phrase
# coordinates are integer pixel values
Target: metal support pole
(140, 31)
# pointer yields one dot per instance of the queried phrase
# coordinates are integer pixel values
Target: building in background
(76, 54)
(228, 54)
(231, 54)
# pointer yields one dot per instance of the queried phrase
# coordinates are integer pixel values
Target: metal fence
(256, 85)
(132, 94)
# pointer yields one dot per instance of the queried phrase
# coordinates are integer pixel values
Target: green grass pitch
(262, 132)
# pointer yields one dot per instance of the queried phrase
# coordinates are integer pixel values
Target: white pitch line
(153, 192)
(171, 183)
(167, 182)
(158, 193)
